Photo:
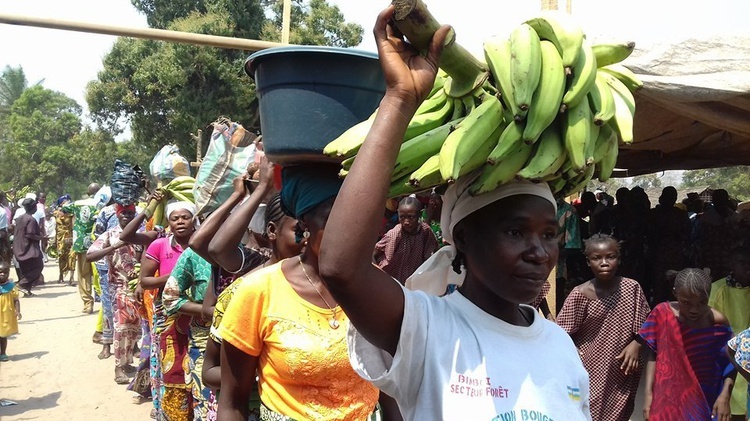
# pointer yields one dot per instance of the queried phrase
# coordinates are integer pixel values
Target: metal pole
(285, 23)
(144, 33)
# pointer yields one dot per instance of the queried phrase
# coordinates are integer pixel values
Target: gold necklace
(333, 322)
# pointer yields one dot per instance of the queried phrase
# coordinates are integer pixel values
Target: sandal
(4, 358)
(122, 379)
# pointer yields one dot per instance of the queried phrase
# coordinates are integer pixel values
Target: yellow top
(734, 303)
(8, 321)
(303, 364)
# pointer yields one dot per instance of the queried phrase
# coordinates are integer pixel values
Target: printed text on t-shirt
(475, 387)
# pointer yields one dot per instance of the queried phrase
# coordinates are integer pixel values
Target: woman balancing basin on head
(479, 351)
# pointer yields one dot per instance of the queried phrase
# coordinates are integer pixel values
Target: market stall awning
(694, 109)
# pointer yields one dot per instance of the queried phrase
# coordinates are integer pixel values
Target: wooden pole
(285, 23)
(144, 33)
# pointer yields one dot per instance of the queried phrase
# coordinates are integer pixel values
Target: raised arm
(223, 247)
(346, 254)
(202, 237)
(130, 233)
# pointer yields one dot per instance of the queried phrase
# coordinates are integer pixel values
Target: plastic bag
(168, 164)
(230, 151)
(127, 182)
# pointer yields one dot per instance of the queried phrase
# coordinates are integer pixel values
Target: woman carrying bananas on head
(477, 353)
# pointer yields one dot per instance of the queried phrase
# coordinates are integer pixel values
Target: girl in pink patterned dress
(603, 316)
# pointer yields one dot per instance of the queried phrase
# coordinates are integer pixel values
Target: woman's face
(181, 223)
(408, 217)
(510, 247)
(692, 306)
(282, 238)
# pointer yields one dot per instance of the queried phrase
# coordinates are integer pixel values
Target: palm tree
(12, 84)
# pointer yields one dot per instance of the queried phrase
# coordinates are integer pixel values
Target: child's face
(691, 306)
(4, 272)
(603, 259)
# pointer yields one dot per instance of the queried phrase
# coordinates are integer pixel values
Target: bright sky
(67, 61)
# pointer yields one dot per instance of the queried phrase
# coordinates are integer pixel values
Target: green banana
(545, 102)
(561, 30)
(503, 171)
(583, 78)
(498, 57)
(401, 187)
(620, 88)
(347, 163)
(178, 181)
(601, 101)
(427, 175)
(470, 138)
(432, 103)
(602, 142)
(577, 184)
(557, 185)
(609, 158)
(415, 151)
(548, 156)
(577, 134)
(428, 121)
(440, 79)
(610, 53)
(622, 122)
(591, 146)
(624, 75)
(469, 102)
(349, 142)
(525, 65)
(509, 137)
(179, 196)
(458, 109)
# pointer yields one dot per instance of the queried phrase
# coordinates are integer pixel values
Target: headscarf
(122, 208)
(436, 274)
(175, 206)
(64, 198)
(303, 187)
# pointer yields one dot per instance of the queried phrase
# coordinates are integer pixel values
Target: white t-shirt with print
(456, 362)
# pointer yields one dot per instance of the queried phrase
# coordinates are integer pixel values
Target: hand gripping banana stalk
(546, 106)
(180, 189)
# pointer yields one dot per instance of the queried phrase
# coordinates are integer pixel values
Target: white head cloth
(175, 206)
(435, 274)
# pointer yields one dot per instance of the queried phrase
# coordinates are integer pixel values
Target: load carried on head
(547, 106)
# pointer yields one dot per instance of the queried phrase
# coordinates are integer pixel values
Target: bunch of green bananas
(552, 109)
(180, 189)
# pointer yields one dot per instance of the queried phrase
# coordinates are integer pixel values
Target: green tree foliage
(315, 23)
(46, 148)
(167, 91)
(735, 180)
(12, 84)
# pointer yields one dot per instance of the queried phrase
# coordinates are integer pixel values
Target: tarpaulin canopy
(694, 109)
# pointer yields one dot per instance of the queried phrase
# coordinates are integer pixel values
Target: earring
(306, 234)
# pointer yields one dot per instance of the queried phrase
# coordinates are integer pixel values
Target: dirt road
(53, 372)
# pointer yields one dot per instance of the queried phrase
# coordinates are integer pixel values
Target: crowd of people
(433, 306)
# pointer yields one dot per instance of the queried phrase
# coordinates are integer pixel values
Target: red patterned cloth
(402, 253)
(690, 364)
(601, 329)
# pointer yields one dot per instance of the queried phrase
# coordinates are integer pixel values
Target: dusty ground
(53, 372)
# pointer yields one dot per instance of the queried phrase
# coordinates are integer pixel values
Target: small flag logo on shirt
(574, 393)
